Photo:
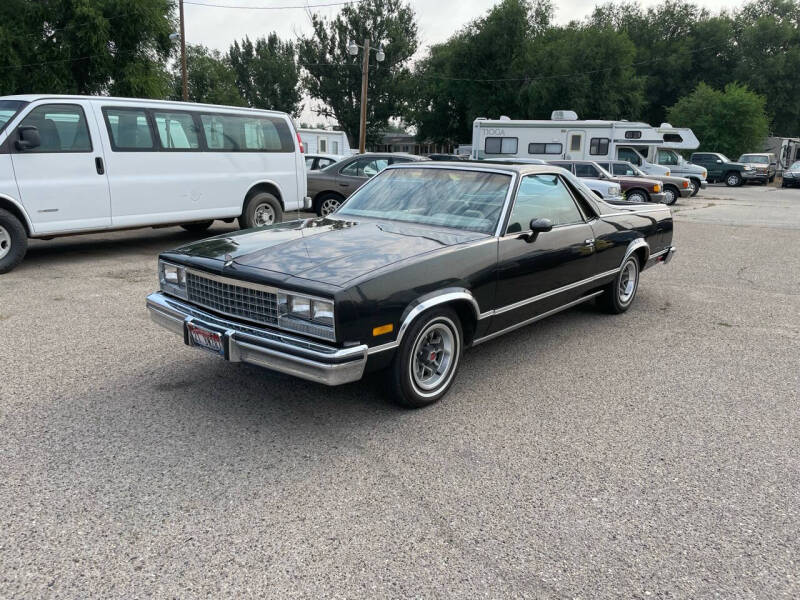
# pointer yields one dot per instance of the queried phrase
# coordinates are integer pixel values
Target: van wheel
(260, 210)
(427, 359)
(695, 185)
(13, 241)
(328, 203)
(197, 226)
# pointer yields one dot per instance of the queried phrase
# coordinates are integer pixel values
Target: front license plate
(205, 339)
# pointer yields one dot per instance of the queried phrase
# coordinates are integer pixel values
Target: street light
(352, 50)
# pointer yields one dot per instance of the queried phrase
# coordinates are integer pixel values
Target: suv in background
(723, 169)
(329, 187)
(636, 189)
(765, 165)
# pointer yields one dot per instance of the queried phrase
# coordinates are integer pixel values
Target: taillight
(300, 142)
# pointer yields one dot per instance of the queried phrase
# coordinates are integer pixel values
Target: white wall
(334, 142)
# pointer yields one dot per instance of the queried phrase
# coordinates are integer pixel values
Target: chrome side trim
(659, 253)
(553, 292)
(491, 336)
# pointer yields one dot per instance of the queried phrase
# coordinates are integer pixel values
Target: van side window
(232, 133)
(586, 170)
(62, 128)
(177, 131)
(599, 146)
(629, 155)
(542, 197)
(128, 129)
(501, 145)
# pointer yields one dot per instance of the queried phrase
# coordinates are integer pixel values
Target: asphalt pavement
(647, 455)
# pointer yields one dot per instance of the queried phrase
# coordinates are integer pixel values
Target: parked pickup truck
(723, 169)
(765, 164)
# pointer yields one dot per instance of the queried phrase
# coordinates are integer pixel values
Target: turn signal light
(686, 184)
(388, 328)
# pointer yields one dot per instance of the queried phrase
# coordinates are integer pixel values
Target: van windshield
(8, 109)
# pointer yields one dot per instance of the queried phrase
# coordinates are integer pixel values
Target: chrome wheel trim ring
(637, 197)
(669, 196)
(428, 373)
(733, 180)
(328, 206)
(264, 214)
(5, 242)
(628, 279)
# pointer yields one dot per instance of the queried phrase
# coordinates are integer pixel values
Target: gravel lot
(648, 455)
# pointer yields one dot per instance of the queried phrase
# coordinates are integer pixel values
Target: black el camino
(420, 263)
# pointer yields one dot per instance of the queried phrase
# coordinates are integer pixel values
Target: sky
(437, 20)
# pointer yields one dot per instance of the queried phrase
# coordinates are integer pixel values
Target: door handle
(589, 243)
(344, 185)
(98, 163)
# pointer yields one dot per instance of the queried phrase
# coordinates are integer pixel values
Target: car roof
(480, 165)
(390, 155)
(757, 154)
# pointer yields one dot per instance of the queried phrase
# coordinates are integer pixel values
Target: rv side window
(177, 131)
(501, 145)
(673, 137)
(545, 148)
(633, 135)
(128, 129)
(599, 146)
(62, 128)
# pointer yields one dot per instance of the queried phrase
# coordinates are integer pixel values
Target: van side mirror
(719, 161)
(29, 138)
(537, 226)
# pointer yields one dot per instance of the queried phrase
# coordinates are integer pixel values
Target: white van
(80, 164)
(565, 137)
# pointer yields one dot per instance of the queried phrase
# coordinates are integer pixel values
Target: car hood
(327, 250)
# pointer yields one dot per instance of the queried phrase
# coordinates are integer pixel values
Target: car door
(353, 176)
(62, 182)
(535, 275)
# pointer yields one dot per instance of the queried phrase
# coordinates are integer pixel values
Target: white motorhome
(81, 164)
(787, 151)
(325, 141)
(565, 137)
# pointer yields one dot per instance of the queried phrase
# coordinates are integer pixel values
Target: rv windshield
(8, 109)
(453, 198)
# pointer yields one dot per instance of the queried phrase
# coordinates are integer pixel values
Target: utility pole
(362, 137)
(184, 76)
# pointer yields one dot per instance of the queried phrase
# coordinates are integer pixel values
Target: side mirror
(719, 161)
(28, 137)
(537, 226)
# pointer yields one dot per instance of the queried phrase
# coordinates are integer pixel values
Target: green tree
(211, 78)
(118, 47)
(732, 121)
(334, 77)
(267, 74)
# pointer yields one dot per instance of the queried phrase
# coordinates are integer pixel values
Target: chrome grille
(234, 300)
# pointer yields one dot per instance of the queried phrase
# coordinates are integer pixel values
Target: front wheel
(638, 196)
(733, 180)
(618, 295)
(328, 204)
(262, 209)
(13, 241)
(427, 359)
(695, 185)
(670, 195)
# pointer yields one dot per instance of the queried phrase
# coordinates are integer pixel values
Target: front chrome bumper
(276, 351)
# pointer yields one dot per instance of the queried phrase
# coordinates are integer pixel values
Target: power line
(299, 6)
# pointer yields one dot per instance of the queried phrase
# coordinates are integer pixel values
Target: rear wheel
(618, 295)
(639, 196)
(13, 241)
(671, 194)
(695, 185)
(197, 226)
(261, 209)
(427, 359)
(733, 179)
(328, 203)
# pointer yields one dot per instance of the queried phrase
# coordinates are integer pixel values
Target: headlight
(657, 188)
(306, 315)
(705, 174)
(748, 168)
(172, 278)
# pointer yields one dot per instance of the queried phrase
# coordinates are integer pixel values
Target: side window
(623, 169)
(633, 135)
(323, 145)
(605, 165)
(563, 164)
(375, 166)
(310, 162)
(62, 128)
(542, 197)
(599, 146)
(128, 129)
(629, 155)
(575, 142)
(234, 133)
(667, 158)
(324, 162)
(177, 131)
(501, 145)
(335, 147)
(537, 148)
(586, 170)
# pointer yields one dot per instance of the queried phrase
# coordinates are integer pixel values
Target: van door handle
(98, 163)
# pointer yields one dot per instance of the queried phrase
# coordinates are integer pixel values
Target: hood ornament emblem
(228, 260)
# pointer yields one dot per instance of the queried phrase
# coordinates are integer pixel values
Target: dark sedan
(329, 187)
(421, 263)
(791, 176)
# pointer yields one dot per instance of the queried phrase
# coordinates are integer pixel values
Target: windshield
(455, 198)
(761, 160)
(9, 108)
(724, 158)
(795, 166)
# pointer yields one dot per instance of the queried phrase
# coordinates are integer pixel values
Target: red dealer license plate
(205, 339)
